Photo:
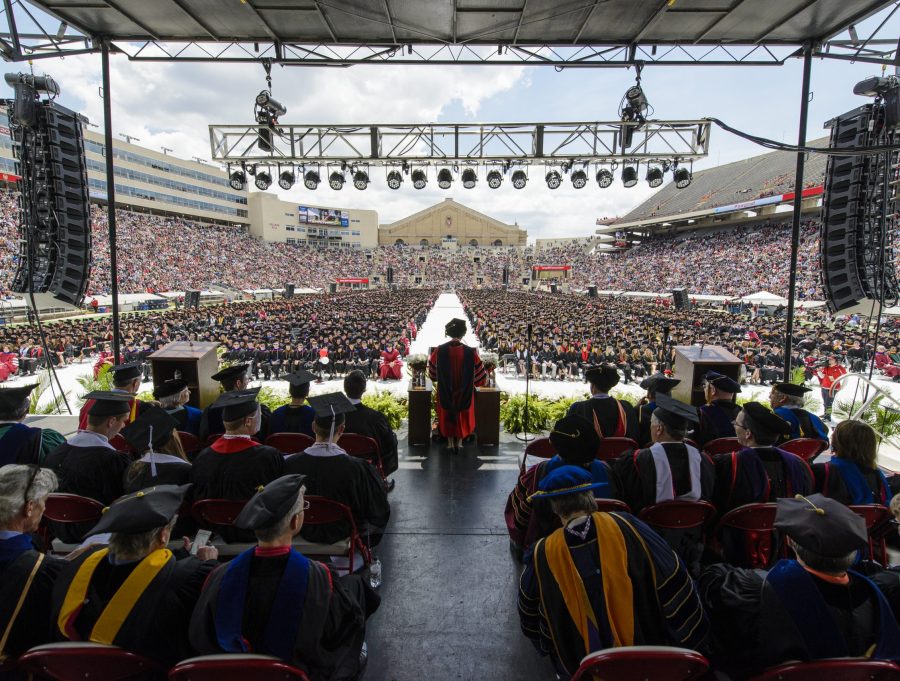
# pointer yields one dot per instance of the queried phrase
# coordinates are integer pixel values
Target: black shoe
(389, 485)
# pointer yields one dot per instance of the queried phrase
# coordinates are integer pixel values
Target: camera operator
(828, 375)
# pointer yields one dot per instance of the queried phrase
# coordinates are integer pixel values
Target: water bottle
(375, 573)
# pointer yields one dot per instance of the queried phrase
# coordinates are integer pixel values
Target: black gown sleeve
(732, 598)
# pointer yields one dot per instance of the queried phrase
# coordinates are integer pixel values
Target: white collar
(237, 437)
(600, 396)
(163, 458)
(352, 401)
(325, 449)
(88, 438)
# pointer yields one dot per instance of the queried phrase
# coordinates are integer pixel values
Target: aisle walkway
(446, 307)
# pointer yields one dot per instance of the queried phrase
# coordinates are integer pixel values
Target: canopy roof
(472, 22)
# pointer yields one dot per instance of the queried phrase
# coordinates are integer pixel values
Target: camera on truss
(887, 90)
(28, 89)
(267, 112)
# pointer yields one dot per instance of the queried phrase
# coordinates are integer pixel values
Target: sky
(172, 105)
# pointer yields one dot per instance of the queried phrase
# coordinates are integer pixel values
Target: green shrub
(633, 400)
(146, 396)
(272, 399)
(102, 382)
(558, 408)
(885, 420)
(394, 409)
(513, 414)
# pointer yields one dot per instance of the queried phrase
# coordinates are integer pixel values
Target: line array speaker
(288, 290)
(681, 299)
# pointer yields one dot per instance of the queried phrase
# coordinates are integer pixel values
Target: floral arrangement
(417, 362)
(490, 361)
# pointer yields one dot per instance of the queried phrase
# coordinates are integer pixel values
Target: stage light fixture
(263, 180)
(360, 179)
(419, 179)
(494, 179)
(604, 178)
(336, 180)
(237, 180)
(394, 179)
(444, 178)
(579, 179)
(554, 179)
(286, 180)
(682, 178)
(519, 179)
(629, 176)
(654, 177)
(311, 180)
(469, 178)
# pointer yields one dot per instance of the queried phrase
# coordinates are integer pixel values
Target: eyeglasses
(739, 425)
(34, 473)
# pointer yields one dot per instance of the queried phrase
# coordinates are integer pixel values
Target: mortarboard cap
(455, 328)
(565, 480)
(237, 404)
(234, 371)
(791, 389)
(659, 383)
(169, 388)
(604, 376)
(142, 511)
(137, 433)
(109, 402)
(575, 439)
(328, 405)
(300, 377)
(723, 383)
(271, 504)
(821, 525)
(126, 372)
(674, 413)
(766, 419)
(11, 398)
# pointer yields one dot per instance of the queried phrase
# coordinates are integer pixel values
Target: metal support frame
(111, 200)
(868, 400)
(798, 205)
(462, 143)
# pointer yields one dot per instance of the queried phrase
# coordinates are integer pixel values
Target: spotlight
(604, 178)
(263, 180)
(636, 105)
(629, 176)
(361, 179)
(445, 178)
(419, 179)
(494, 179)
(237, 180)
(682, 178)
(273, 106)
(579, 179)
(336, 181)
(519, 179)
(554, 179)
(469, 178)
(394, 179)
(654, 177)
(286, 180)
(311, 180)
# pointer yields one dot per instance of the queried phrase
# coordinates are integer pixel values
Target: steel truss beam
(463, 143)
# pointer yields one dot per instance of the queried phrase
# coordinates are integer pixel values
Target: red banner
(551, 268)
(9, 177)
(351, 281)
(812, 191)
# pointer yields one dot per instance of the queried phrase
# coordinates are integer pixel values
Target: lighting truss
(463, 143)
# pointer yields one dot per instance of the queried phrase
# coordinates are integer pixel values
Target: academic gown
(457, 368)
(137, 408)
(372, 423)
(611, 417)
(333, 474)
(211, 423)
(844, 481)
(761, 619)
(716, 420)
(651, 598)
(388, 370)
(803, 424)
(93, 471)
(26, 445)
(322, 633)
(288, 419)
(157, 625)
(187, 418)
(644, 412)
(18, 558)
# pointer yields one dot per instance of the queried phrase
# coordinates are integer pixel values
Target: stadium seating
(77, 661)
(640, 663)
(235, 667)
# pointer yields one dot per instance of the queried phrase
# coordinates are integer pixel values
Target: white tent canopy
(764, 298)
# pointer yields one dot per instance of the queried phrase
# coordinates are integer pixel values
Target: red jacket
(828, 375)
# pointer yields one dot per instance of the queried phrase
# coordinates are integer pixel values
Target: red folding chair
(77, 661)
(639, 663)
(612, 506)
(843, 669)
(878, 526)
(213, 514)
(756, 525)
(235, 667)
(722, 445)
(289, 443)
(613, 447)
(324, 511)
(678, 514)
(540, 448)
(806, 448)
(363, 447)
(65, 509)
(120, 444)
(190, 443)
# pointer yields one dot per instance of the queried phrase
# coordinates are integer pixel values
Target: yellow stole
(120, 605)
(617, 588)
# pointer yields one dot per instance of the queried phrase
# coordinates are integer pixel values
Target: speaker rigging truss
(520, 143)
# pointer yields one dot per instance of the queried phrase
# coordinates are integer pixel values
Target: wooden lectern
(487, 416)
(693, 361)
(419, 430)
(195, 362)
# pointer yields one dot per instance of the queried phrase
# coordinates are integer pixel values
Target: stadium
(443, 428)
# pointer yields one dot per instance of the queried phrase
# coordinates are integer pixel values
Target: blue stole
(13, 441)
(12, 548)
(721, 421)
(809, 613)
(287, 610)
(759, 479)
(860, 492)
(193, 419)
(599, 473)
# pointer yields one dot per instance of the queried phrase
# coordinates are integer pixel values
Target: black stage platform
(449, 586)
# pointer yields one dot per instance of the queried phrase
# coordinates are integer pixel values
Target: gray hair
(568, 504)
(793, 400)
(124, 545)
(281, 527)
(169, 401)
(675, 433)
(822, 563)
(13, 481)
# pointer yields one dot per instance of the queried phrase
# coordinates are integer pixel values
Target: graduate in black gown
(718, 414)
(87, 465)
(233, 379)
(367, 421)
(810, 608)
(297, 416)
(658, 383)
(611, 417)
(576, 444)
(20, 443)
(24, 569)
(173, 397)
(852, 475)
(161, 459)
(603, 580)
(330, 472)
(273, 600)
(134, 593)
